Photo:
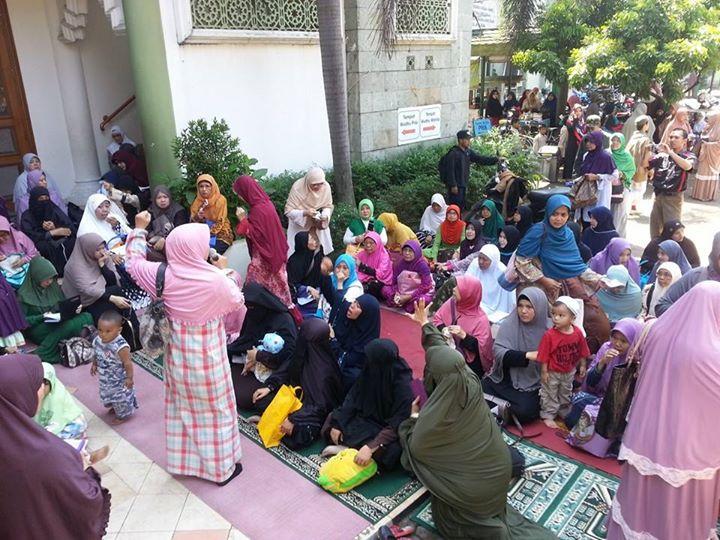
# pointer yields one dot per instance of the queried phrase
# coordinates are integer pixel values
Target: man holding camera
(672, 164)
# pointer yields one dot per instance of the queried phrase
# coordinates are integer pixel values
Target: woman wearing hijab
(256, 374)
(511, 102)
(202, 437)
(363, 223)
(618, 251)
(549, 109)
(448, 238)
(666, 274)
(708, 171)
(341, 286)
(576, 129)
(41, 294)
(31, 162)
(104, 218)
(412, 280)
(640, 145)
(132, 165)
(378, 402)
(561, 270)
(16, 251)
(492, 221)
(49, 228)
(601, 230)
(166, 214)
(123, 191)
(469, 249)
(67, 501)
(621, 301)
(496, 301)
(679, 121)
(12, 320)
(461, 319)
(585, 251)
(304, 271)
(532, 102)
(670, 251)
(515, 375)
(456, 449)
(432, 218)
(119, 138)
(397, 233)
(629, 126)
(508, 241)
(670, 480)
(493, 107)
(523, 219)
(672, 230)
(59, 413)
(37, 178)
(309, 208)
(210, 207)
(375, 269)
(92, 275)
(597, 166)
(265, 239)
(626, 166)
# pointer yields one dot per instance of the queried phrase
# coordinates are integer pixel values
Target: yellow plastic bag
(340, 473)
(283, 405)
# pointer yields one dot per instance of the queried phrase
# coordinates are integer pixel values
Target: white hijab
(658, 291)
(91, 224)
(113, 146)
(496, 301)
(629, 126)
(431, 220)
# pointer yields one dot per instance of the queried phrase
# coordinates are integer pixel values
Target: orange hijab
(216, 209)
(451, 231)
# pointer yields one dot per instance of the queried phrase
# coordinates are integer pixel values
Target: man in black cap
(454, 168)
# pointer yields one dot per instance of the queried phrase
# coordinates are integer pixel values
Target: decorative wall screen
(268, 15)
(424, 17)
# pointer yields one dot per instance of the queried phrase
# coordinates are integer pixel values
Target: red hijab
(265, 235)
(451, 231)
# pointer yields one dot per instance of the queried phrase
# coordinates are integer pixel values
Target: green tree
(647, 40)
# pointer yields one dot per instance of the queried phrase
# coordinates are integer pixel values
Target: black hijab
(353, 335)
(303, 266)
(649, 256)
(526, 219)
(513, 236)
(39, 211)
(471, 246)
(585, 251)
(163, 219)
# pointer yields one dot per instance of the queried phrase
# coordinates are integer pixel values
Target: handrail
(109, 117)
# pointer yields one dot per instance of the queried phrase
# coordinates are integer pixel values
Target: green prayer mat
(567, 497)
(373, 500)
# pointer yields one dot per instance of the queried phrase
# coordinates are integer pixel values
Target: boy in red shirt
(561, 349)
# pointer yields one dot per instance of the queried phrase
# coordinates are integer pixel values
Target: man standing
(454, 168)
(672, 165)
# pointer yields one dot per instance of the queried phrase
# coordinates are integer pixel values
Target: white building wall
(271, 95)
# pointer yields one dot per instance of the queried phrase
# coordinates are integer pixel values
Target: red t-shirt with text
(562, 352)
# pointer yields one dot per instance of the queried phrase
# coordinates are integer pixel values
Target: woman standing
(576, 132)
(166, 215)
(309, 208)
(708, 172)
(493, 108)
(265, 239)
(549, 109)
(200, 412)
(597, 166)
(71, 502)
(210, 207)
(670, 479)
(40, 294)
(626, 166)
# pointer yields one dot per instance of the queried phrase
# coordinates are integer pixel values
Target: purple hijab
(599, 161)
(630, 328)
(610, 256)
(11, 316)
(418, 264)
(51, 496)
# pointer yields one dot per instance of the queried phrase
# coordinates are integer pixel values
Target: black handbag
(612, 415)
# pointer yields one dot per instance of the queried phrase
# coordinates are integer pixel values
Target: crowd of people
(520, 319)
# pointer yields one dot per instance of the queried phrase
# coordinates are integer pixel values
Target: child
(112, 362)
(272, 344)
(561, 349)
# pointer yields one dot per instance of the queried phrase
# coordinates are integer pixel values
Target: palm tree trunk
(332, 50)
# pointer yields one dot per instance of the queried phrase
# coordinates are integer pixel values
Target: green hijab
(357, 226)
(623, 159)
(455, 447)
(59, 408)
(31, 293)
(493, 224)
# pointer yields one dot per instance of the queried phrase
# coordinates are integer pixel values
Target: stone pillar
(152, 86)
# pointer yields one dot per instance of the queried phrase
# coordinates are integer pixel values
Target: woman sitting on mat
(412, 280)
(469, 249)
(508, 241)
(672, 230)
(670, 251)
(304, 269)
(210, 207)
(337, 286)
(618, 251)
(375, 269)
(448, 238)
(667, 274)
(397, 233)
(363, 223)
(431, 219)
(455, 448)
(166, 215)
(601, 230)
(623, 300)
(497, 302)
(376, 405)
(18, 249)
(41, 294)
(515, 375)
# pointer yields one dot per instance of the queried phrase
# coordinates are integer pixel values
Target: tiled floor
(148, 503)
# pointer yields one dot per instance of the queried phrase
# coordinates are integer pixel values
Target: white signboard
(417, 124)
(486, 14)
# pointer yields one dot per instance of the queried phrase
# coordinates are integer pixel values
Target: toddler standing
(114, 366)
(561, 350)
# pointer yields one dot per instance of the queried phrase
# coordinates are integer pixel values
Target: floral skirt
(276, 282)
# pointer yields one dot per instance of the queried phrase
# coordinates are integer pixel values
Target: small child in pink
(561, 350)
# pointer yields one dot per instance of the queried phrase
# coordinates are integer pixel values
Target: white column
(76, 107)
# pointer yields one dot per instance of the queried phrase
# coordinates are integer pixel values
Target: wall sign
(417, 124)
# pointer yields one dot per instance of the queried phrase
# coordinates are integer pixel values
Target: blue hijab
(675, 254)
(556, 248)
(352, 276)
(627, 302)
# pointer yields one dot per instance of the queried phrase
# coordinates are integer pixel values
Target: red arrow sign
(407, 131)
(429, 128)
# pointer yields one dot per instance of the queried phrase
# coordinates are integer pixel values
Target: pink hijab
(18, 242)
(467, 314)
(195, 291)
(379, 260)
(671, 429)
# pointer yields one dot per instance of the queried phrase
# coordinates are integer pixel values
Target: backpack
(76, 351)
(445, 166)
(154, 325)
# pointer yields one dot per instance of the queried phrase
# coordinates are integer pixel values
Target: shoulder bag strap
(634, 354)
(160, 280)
